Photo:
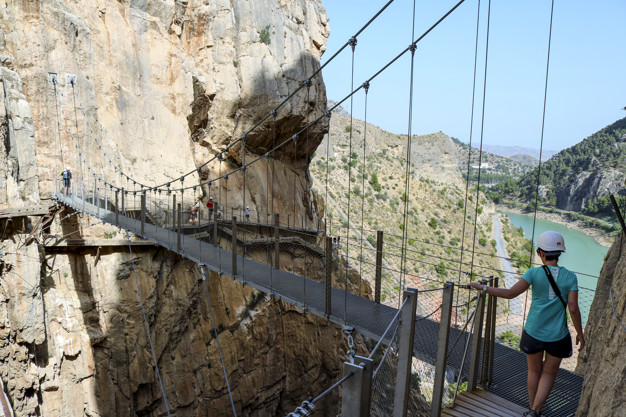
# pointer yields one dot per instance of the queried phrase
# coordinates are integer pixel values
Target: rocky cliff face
(164, 85)
(588, 185)
(603, 361)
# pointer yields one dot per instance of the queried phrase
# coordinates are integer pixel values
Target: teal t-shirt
(547, 319)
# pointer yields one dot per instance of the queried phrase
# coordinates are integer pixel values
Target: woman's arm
(574, 312)
(519, 287)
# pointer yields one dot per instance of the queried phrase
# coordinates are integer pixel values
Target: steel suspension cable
(353, 43)
(482, 131)
(145, 320)
(407, 173)
(469, 151)
(363, 174)
(543, 124)
(217, 338)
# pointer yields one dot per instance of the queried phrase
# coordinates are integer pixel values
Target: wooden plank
(499, 400)
(471, 410)
(481, 401)
(453, 413)
(24, 211)
(486, 407)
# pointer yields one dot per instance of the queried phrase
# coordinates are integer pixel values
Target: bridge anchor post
(276, 241)
(117, 208)
(180, 221)
(143, 214)
(328, 266)
(406, 332)
(442, 348)
(357, 389)
(476, 343)
(379, 266)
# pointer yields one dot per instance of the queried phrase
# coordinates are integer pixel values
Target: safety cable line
(56, 104)
(458, 382)
(482, 131)
(407, 172)
(145, 320)
(217, 338)
(382, 360)
(543, 124)
(469, 152)
(363, 174)
(380, 341)
(353, 43)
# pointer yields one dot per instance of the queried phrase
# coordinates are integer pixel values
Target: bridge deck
(483, 404)
(367, 317)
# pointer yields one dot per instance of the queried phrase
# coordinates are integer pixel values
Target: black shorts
(559, 349)
(66, 182)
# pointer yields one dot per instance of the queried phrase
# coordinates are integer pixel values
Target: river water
(584, 255)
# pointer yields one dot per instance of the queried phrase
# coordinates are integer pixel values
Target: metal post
(492, 340)
(486, 352)
(180, 221)
(143, 214)
(215, 242)
(106, 199)
(355, 401)
(174, 216)
(83, 191)
(276, 242)
(476, 342)
(234, 245)
(329, 263)
(97, 196)
(379, 266)
(117, 208)
(406, 333)
(442, 348)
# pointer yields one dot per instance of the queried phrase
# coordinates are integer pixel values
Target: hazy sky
(587, 77)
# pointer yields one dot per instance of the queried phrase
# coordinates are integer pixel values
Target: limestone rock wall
(603, 361)
(161, 87)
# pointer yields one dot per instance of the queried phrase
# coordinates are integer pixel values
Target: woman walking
(545, 339)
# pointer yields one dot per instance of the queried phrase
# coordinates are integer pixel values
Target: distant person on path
(194, 212)
(210, 205)
(545, 339)
(247, 213)
(67, 180)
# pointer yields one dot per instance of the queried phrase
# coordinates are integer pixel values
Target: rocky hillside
(495, 169)
(165, 85)
(603, 361)
(579, 178)
(436, 202)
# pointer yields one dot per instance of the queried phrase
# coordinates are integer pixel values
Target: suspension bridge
(293, 259)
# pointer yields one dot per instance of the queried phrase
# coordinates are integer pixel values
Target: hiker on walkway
(67, 180)
(194, 212)
(545, 339)
(210, 204)
(247, 213)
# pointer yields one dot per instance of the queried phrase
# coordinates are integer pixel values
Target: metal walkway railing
(501, 368)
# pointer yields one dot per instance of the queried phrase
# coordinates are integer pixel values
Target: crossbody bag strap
(555, 288)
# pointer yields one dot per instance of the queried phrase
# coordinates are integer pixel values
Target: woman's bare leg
(535, 366)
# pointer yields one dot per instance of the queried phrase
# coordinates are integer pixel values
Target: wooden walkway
(483, 404)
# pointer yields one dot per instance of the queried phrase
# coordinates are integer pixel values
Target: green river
(583, 255)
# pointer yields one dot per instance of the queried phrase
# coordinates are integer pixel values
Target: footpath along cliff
(166, 85)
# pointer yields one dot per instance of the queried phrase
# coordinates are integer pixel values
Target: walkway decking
(483, 404)
(367, 317)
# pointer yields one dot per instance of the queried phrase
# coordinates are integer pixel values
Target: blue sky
(587, 77)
